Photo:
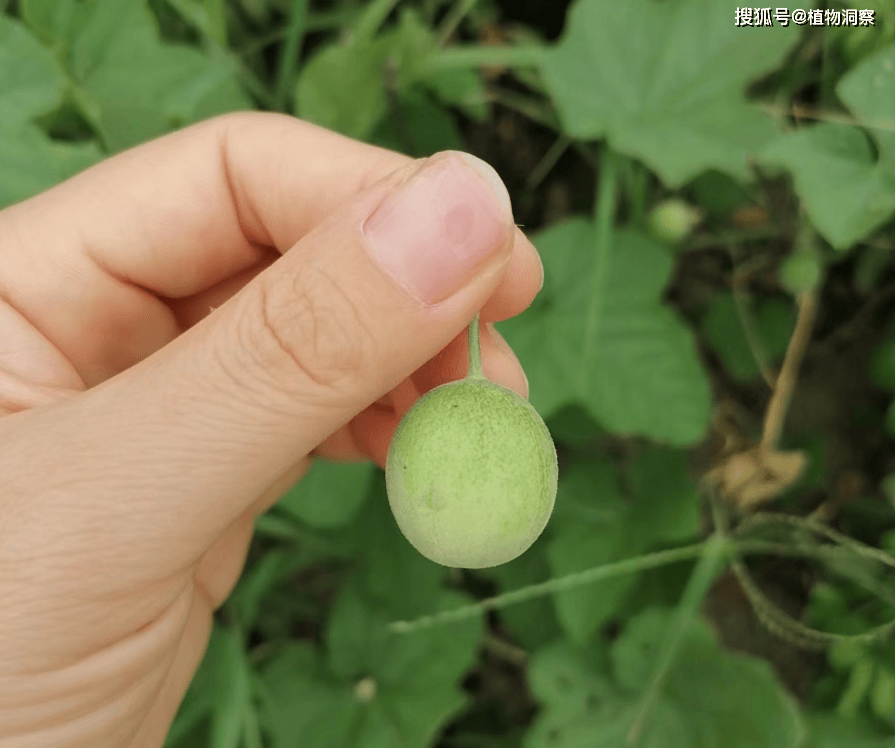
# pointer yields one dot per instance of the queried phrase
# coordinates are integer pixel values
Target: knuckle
(309, 333)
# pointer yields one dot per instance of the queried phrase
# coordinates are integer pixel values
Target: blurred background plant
(713, 350)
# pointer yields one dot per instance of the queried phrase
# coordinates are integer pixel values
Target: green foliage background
(648, 99)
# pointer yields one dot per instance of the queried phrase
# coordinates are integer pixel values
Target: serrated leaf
(590, 527)
(359, 644)
(135, 87)
(302, 705)
(379, 689)
(643, 375)
(664, 82)
(31, 82)
(845, 191)
(868, 90)
(580, 708)
(634, 654)
(330, 494)
(710, 698)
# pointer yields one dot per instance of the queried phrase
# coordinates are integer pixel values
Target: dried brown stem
(775, 414)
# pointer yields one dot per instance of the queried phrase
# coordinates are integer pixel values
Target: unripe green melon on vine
(471, 474)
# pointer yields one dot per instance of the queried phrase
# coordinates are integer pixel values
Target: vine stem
(785, 383)
(603, 222)
(558, 584)
(469, 56)
(715, 553)
(452, 20)
(372, 18)
(475, 351)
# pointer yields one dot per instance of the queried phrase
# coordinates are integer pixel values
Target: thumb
(352, 309)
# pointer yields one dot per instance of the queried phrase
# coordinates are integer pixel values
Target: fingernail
(437, 228)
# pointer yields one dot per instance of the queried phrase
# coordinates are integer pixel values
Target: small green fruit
(672, 220)
(471, 474)
(800, 272)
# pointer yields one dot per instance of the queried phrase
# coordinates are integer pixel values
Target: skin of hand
(183, 328)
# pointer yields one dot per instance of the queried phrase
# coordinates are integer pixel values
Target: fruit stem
(475, 351)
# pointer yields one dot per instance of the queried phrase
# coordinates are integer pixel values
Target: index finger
(201, 208)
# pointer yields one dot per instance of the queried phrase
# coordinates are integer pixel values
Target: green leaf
(418, 127)
(665, 498)
(31, 82)
(359, 644)
(871, 263)
(710, 698)
(462, 88)
(593, 524)
(722, 328)
(590, 526)
(302, 704)
(845, 191)
(570, 694)
(532, 623)
(30, 162)
(258, 585)
(346, 86)
(341, 88)
(209, 16)
(882, 694)
(868, 90)
(233, 698)
(48, 20)
(374, 688)
(574, 426)
(330, 494)
(135, 87)
(392, 572)
(718, 194)
(199, 701)
(634, 654)
(644, 376)
(830, 731)
(664, 82)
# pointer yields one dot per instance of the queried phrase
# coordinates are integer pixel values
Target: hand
(182, 328)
